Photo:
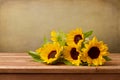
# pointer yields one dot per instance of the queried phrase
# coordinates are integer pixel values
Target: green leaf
(61, 38)
(35, 56)
(84, 63)
(45, 40)
(107, 58)
(67, 62)
(87, 34)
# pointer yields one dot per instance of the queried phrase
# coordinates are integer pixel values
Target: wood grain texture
(20, 66)
(60, 76)
(23, 63)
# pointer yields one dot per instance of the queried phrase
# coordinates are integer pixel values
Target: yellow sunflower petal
(94, 52)
(53, 36)
(72, 55)
(38, 50)
(50, 52)
(75, 38)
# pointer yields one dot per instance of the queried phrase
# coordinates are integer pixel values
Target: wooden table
(20, 66)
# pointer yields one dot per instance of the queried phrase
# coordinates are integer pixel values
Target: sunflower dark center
(52, 54)
(74, 54)
(77, 38)
(94, 52)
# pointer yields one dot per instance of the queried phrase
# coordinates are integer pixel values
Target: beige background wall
(24, 23)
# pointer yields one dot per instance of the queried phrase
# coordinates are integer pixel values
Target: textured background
(24, 23)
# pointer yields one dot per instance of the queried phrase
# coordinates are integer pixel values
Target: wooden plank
(23, 63)
(13, 54)
(54, 76)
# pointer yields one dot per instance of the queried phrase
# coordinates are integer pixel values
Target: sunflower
(94, 51)
(58, 37)
(75, 38)
(50, 52)
(72, 55)
(54, 36)
(38, 50)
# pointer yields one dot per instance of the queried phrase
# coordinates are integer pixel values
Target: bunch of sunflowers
(73, 48)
